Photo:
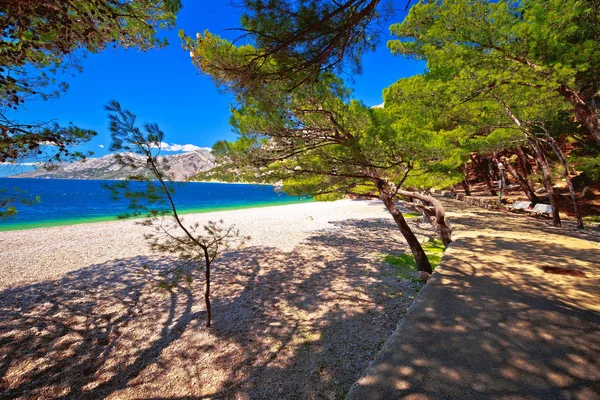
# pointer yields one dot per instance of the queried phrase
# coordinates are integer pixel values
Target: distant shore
(16, 176)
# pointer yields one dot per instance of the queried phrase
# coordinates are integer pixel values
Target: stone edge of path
(361, 388)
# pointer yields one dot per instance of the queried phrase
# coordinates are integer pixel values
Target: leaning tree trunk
(525, 187)
(541, 159)
(563, 161)
(443, 231)
(584, 112)
(421, 259)
(525, 166)
(466, 187)
(484, 174)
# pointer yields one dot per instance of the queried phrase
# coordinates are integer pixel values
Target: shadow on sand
(291, 325)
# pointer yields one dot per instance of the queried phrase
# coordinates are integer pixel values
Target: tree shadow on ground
(492, 324)
(473, 218)
(318, 314)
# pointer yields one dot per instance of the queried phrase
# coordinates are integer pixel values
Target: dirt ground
(287, 325)
(589, 206)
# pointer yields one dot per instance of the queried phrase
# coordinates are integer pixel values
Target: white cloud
(26, 164)
(186, 148)
(101, 146)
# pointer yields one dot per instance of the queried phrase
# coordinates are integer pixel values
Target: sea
(71, 201)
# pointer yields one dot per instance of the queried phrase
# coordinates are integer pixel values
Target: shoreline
(24, 226)
(35, 255)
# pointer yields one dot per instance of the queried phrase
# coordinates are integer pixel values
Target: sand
(299, 313)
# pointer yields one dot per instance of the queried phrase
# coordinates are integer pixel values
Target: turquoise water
(67, 202)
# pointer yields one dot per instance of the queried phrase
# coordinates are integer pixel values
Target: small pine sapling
(150, 193)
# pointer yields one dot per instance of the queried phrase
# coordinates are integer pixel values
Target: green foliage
(541, 41)
(537, 50)
(405, 266)
(197, 245)
(40, 38)
(43, 38)
(316, 139)
(9, 199)
(51, 142)
(589, 165)
(296, 41)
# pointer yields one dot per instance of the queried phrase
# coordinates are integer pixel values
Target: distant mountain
(182, 167)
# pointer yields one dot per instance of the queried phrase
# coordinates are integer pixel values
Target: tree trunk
(426, 213)
(527, 169)
(585, 113)
(443, 231)
(523, 161)
(418, 252)
(207, 290)
(528, 190)
(563, 161)
(489, 166)
(547, 181)
(466, 187)
(484, 174)
(465, 182)
(540, 158)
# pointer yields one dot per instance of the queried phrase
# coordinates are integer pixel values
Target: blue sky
(163, 86)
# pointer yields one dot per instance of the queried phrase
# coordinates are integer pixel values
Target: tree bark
(421, 259)
(525, 187)
(465, 182)
(426, 213)
(443, 231)
(526, 167)
(540, 158)
(563, 162)
(547, 181)
(484, 174)
(585, 113)
(207, 288)
(523, 161)
(466, 187)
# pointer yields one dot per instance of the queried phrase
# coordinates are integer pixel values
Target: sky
(162, 86)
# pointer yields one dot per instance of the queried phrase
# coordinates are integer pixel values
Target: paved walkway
(495, 321)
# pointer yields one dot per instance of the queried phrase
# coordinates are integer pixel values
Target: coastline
(198, 197)
(115, 218)
(48, 252)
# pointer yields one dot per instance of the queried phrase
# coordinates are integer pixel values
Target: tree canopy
(40, 38)
(544, 45)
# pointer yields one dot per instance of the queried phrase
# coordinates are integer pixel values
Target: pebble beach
(35, 255)
(310, 296)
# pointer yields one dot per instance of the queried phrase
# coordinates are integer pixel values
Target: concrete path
(496, 321)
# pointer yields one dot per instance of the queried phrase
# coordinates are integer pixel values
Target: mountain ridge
(182, 167)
